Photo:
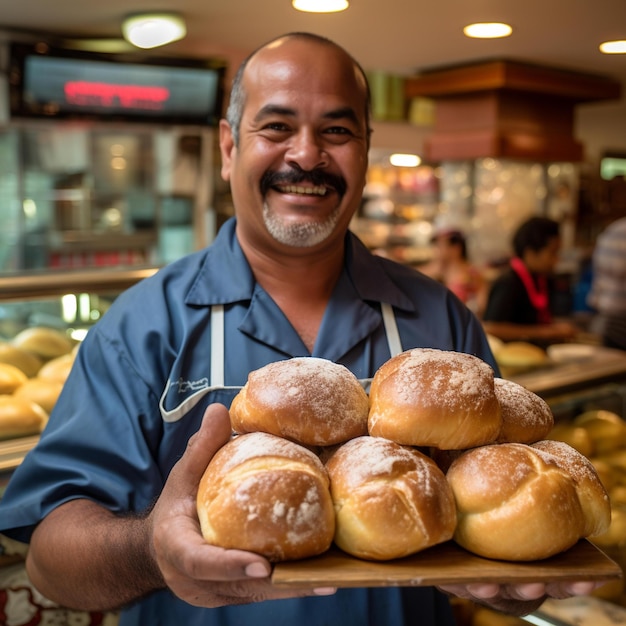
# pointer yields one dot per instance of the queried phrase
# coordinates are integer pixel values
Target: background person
(519, 301)
(107, 498)
(451, 266)
(608, 285)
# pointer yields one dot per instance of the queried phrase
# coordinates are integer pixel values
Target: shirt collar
(224, 275)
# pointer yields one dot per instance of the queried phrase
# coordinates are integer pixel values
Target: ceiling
(398, 36)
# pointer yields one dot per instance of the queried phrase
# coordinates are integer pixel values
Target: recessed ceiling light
(320, 6)
(153, 29)
(487, 30)
(613, 47)
(404, 160)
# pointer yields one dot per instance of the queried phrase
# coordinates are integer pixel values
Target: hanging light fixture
(320, 6)
(613, 47)
(150, 30)
(487, 30)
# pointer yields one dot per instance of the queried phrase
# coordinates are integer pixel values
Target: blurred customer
(518, 305)
(451, 266)
(608, 285)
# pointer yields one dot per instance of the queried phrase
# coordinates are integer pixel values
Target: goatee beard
(299, 235)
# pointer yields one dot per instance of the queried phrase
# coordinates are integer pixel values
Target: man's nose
(306, 151)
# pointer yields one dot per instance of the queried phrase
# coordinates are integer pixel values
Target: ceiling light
(613, 47)
(404, 160)
(487, 30)
(320, 6)
(149, 30)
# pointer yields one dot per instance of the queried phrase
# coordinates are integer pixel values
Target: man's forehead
(282, 58)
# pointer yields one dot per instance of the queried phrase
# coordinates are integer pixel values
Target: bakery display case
(43, 318)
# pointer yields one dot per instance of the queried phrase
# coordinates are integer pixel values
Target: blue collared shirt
(107, 439)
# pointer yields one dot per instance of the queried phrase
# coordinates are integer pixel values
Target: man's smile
(317, 190)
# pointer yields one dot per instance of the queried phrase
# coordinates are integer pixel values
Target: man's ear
(227, 146)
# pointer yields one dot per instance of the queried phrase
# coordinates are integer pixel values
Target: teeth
(317, 191)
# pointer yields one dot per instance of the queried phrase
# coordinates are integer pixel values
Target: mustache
(295, 176)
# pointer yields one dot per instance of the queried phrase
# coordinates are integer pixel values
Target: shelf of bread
(33, 368)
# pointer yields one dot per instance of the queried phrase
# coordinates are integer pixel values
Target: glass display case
(76, 195)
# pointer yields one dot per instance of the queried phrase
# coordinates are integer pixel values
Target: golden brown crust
(20, 417)
(23, 360)
(46, 343)
(311, 401)
(390, 500)
(43, 392)
(520, 503)
(267, 495)
(435, 398)
(526, 417)
(57, 369)
(11, 377)
(591, 492)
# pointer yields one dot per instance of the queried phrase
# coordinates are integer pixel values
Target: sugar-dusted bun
(518, 503)
(20, 417)
(11, 377)
(526, 417)
(23, 360)
(43, 392)
(46, 343)
(267, 495)
(309, 400)
(435, 398)
(390, 500)
(591, 493)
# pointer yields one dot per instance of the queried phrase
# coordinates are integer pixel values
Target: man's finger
(213, 433)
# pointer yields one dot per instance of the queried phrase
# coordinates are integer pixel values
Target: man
(519, 301)
(115, 474)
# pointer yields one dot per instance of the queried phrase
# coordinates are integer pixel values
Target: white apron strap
(391, 329)
(217, 370)
(217, 345)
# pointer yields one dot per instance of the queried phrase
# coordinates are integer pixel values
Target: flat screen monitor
(53, 82)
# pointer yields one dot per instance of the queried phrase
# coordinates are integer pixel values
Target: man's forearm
(85, 557)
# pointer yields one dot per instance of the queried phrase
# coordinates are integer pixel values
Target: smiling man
(107, 498)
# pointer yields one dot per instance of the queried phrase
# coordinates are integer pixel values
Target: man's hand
(518, 599)
(201, 574)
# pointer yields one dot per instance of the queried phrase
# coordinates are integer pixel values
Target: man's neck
(300, 284)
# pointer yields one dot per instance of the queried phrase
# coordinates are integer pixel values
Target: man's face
(299, 170)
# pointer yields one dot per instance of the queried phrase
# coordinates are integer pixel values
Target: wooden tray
(443, 564)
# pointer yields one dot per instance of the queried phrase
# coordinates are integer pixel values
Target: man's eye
(338, 130)
(276, 126)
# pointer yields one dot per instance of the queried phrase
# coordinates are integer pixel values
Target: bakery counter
(597, 374)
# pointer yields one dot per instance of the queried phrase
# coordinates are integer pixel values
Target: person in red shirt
(519, 301)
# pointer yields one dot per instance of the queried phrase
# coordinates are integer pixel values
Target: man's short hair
(237, 100)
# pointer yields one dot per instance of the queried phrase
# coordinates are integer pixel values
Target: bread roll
(520, 355)
(57, 369)
(591, 493)
(23, 360)
(20, 417)
(526, 417)
(11, 378)
(390, 501)
(267, 495)
(435, 398)
(517, 502)
(43, 392)
(575, 436)
(606, 429)
(46, 343)
(311, 401)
